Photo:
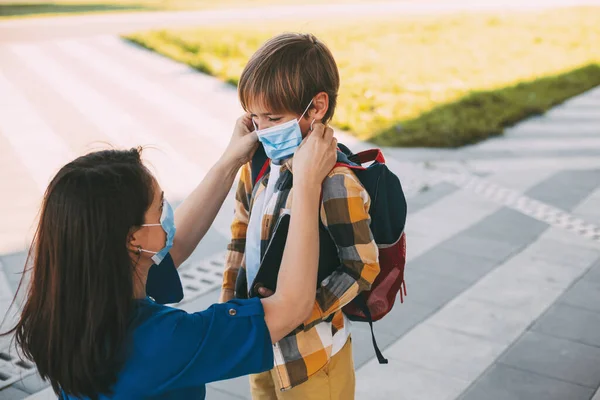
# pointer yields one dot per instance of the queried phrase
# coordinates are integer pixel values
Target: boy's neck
(283, 161)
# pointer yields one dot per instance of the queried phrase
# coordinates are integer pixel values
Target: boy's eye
(275, 119)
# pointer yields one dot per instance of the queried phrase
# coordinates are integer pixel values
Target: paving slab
(238, 387)
(411, 383)
(509, 226)
(482, 319)
(593, 275)
(580, 183)
(432, 225)
(215, 394)
(453, 263)
(589, 209)
(443, 350)
(432, 289)
(6, 292)
(46, 394)
(401, 319)
(506, 383)
(512, 284)
(4, 307)
(555, 358)
(574, 240)
(430, 195)
(583, 294)
(32, 384)
(11, 393)
(13, 265)
(528, 266)
(554, 250)
(516, 295)
(572, 323)
(474, 244)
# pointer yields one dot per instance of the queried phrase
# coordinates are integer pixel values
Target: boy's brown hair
(287, 72)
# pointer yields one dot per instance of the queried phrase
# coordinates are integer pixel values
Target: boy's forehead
(261, 107)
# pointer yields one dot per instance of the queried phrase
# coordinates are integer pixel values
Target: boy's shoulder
(342, 171)
(342, 178)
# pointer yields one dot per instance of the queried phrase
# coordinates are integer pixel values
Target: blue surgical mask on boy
(281, 141)
(167, 221)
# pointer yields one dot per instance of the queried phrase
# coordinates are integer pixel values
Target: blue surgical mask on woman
(281, 141)
(167, 221)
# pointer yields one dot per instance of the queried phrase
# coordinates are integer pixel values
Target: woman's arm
(235, 338)
(196, 214)
(294, 298)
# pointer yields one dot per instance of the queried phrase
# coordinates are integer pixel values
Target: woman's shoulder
(156, 317)
(169, 335)
(148, 308)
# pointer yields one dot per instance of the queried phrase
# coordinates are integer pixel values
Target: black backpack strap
(362, 304)
(259, 164)
(344, 149)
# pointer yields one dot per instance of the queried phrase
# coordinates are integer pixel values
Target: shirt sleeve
(163, 283)
(226, 341)
(345, 213)
(239, 226)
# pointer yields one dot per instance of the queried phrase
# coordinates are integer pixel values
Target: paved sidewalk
(500, 304)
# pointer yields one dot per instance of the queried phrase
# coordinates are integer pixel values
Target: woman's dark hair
(76, 318)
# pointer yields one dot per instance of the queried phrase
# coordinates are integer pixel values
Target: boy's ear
(319, 107)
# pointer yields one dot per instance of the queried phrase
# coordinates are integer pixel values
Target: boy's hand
(264, 292)
(316, 156)
(226, 295)
(243, 143)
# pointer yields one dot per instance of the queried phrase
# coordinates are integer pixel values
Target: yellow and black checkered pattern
(345, 213)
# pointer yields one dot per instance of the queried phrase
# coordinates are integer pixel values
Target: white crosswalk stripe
(171, 105)
(41, 150)
(173, 170)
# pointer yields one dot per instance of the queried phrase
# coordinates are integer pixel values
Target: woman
(87, 322)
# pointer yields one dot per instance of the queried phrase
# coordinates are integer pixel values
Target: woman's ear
(320, 105)
(134, 240)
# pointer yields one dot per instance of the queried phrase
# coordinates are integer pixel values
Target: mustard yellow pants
(335, 381)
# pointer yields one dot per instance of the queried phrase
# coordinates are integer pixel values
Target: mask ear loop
(312, 123)
(305, 110)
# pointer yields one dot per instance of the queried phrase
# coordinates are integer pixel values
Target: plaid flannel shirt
(345, 213)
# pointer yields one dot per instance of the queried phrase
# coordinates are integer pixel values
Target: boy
(289, 84)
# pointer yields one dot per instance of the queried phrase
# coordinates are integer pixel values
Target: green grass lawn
(35, 8)
(438, 81)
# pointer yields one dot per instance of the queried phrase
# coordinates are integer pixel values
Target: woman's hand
(197, 213)
(242, 145)
(316, 156)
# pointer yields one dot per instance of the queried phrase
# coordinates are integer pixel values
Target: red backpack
(388, 218)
